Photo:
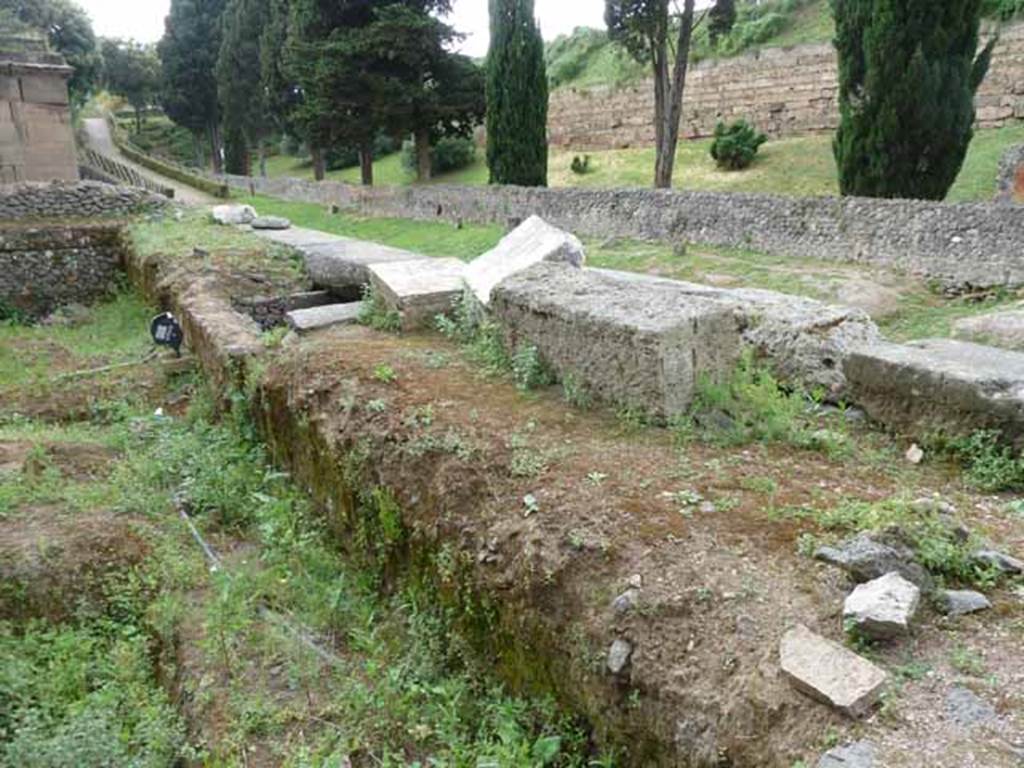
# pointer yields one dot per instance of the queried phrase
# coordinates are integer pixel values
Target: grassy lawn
(801, 166)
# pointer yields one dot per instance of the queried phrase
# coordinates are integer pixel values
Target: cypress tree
(517, 97)
(908, 72)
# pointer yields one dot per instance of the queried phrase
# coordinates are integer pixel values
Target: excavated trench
(567, 550)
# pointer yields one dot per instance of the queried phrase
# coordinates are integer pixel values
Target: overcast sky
(143, 20)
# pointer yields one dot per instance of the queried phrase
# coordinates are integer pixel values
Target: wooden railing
(111, 170)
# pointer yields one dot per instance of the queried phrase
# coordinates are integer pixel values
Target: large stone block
(315, 318)
(804, 341)
(530, 243)
(940, 386)
(418, 289)
(830, 673)
(640, 344)
(342, 265)
(44, 88)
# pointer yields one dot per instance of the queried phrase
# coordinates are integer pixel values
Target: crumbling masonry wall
(784, 91)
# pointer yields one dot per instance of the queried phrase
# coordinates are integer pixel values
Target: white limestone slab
(531, 242)
(418, 289)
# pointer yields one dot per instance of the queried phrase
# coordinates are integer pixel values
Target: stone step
(313, 318)
(830, 673)
(343, 265)
(940, 386)
(418, 289)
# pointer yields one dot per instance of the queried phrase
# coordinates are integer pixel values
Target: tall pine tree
(239, 85)
(188, 55)
(908, 72)
(517, 97)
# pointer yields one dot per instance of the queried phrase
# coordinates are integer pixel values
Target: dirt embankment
(531, 519)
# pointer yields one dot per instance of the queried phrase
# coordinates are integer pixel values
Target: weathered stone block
(940, 385)
(418, 289)
(314, 318)
(882, 608)
(1002, 329)
(640, 344)
(830, 673)
(233, 214)
(530, 243)
(343, 264)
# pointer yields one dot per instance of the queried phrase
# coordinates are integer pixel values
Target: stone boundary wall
(783, 91)
(962, 246)
(42, 268)
(66, 200)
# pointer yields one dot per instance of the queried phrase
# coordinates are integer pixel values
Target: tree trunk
(197, 147)
(262, 149)
(366, 163)
(319, 164)
(138, 121)
(668, 100)
(422, 141)
(215, 147)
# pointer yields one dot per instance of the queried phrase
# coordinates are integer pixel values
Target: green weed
(990, 464)
(375, 313)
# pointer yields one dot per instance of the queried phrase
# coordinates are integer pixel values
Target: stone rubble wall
(960, 246)
(783, 91)
(42, 268)
(72, 200)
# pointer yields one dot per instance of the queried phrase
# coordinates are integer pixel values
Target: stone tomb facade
(37, 142)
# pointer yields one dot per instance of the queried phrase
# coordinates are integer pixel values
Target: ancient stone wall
(781, 90)
(959, 245)
(37, 141)
(36, 200)
(42, 268)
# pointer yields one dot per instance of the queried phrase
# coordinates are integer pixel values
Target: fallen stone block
(883, 608)
(417, 289)
(233, 214)
(866, 556)
(967, 709)
(298, 237)
(940, 386)
(530, 243)
(638, 344)
(830, 673)
(314, 318)
(270, 222)
(959, 602)
(1002, 562)
(1001, 329)
(804, 341)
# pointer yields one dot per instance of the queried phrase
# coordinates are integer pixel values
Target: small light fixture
(166, 332)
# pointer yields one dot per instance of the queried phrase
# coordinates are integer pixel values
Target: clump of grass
(529, 370)
(376, 314)
(480, 337)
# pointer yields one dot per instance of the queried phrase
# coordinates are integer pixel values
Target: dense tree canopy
(239, 86)
(908, 71)
(188, 54)
(70, 32)
(517, 96)
(131, 70)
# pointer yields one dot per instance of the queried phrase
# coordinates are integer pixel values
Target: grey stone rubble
(859, 754)
(270, 222)
(999, 560)
(830, 673)
(233, 214)
(882, 608)
(958, 602)
(66, 199)
(619, 654)
(627, 601)
(531, 242)
(867, 556)
(1001, 329)
(939, 385)
(966, 709)
(418, 289)
(638, 345)
(314, 318)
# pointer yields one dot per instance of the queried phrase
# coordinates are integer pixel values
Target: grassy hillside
(791, 166)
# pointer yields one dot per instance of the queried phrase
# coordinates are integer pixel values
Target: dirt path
(97, 132)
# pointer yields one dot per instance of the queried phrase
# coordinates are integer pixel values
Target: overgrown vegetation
(990, 464)
(292, 652)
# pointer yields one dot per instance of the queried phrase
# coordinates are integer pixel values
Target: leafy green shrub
(449, 154)
(479, 336)
(375, 313)
(989, 463)
(289, 145)
(341, 157)
(736, 145)
(580, 165)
